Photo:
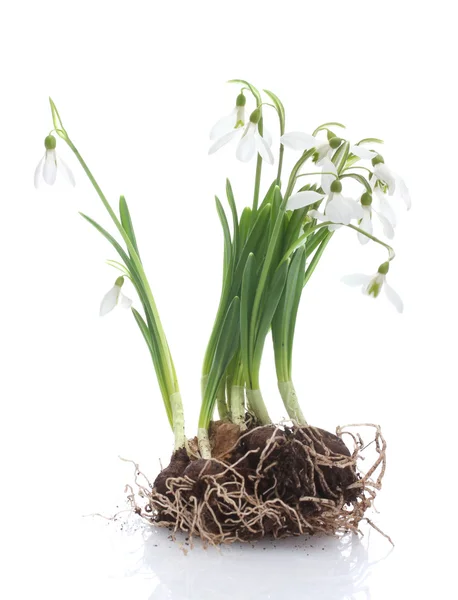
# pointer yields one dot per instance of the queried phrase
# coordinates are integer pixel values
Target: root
(293, 482)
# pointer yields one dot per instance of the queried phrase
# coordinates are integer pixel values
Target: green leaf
(248, 291)
(358, 178)
(316, 257)
(235, 219)
(149, 339)
(119, 249)
(244, 227)
(227, 238)
(268, 198)
(126, 222)
(226, 347)
(294, 289)
(370, 141)
(279, 108)
(326, 125)
(252, 89)
(269, 306)
(341, 155)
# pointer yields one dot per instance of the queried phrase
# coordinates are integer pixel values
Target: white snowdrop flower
(373, 284)
(366, 221)
(114, 297)
(390, 180)
(251, 142)
(297, 140)
(339, 209)
(51, 164)
(234, 120)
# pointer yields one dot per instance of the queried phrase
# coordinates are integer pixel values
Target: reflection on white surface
(315, 568)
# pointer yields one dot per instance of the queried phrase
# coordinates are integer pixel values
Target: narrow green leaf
(227, 238)
(235, 219)
(244, 227)
(226, 347)
(268, 198)
(316, 257)
(126, 222)
(269, 306)
(326, 125)
(295, 282)
(341, 155)
(358, 178)
(279, 108)
(248, 291)
(149, 339)
(370, 141)
(119, 249)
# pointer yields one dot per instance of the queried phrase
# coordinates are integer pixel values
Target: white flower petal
(334, 227)
(387, 227)
(110, 300)
(404, 191)
(124, 301)
(328, 167)
(356, 279)
(224, 125)
(342, 210)
(66, 171)
(246, 148)
(302, 199)
(267, 136)
(385, 207)
(394, 298)
(383, 173)
(362, 152)
(324, 151)
(263, 148)
(298, 140)
(366, 225)
(316, 214)
(50, 167)
(39, 172)
(224, 140)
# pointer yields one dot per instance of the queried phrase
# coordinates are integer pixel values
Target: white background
(138, 85)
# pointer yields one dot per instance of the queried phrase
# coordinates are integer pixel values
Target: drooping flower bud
(335, 142)
(366, 199)
(50, 142)
(384, 268)
(377, 160)
(255, 116)
(336, 186)
(241, 100)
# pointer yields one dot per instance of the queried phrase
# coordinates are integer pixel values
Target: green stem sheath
(291, 402)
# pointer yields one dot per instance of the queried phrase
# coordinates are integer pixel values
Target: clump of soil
(277, 481)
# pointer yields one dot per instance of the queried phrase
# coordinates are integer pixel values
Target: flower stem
(221, 401)
(204, 443)
(289, 397)
(178, 420)
(238, 406)
(256, 403)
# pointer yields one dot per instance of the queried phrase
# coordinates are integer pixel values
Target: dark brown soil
(286, 478)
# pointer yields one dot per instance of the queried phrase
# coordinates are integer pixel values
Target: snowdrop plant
(271, 250)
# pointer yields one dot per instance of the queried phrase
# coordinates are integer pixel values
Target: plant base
(272, 481)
